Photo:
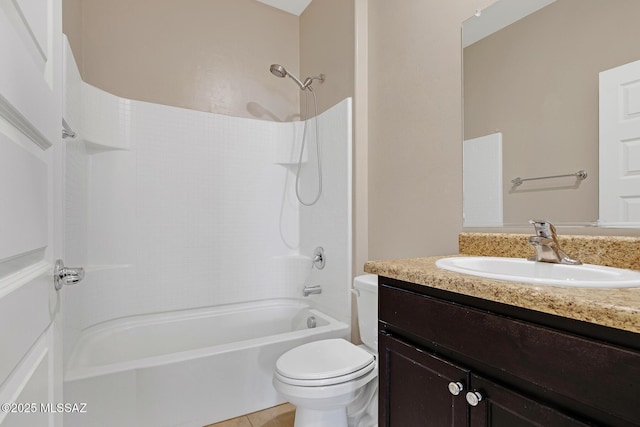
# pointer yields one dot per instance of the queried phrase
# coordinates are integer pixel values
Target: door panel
(24, 189)
(30, 209)
(26, 326)
(33, 14)
(30, 80)
(30, 403)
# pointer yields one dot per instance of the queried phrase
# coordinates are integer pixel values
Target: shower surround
(173, 209)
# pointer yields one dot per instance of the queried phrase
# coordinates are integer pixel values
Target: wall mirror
(532, 75)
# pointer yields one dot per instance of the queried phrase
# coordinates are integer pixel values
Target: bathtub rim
(72, 373)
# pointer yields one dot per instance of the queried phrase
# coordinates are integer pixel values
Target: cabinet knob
(473, 398)
(455, 388)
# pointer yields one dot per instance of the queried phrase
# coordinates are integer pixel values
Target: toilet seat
(323, 363)
(327, 381)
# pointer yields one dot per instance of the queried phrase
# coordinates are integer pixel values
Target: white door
(30, 211)
(620, 146)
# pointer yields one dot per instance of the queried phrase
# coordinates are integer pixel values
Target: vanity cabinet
(439, 351)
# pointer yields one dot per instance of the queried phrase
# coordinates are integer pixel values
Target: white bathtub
(187, 368)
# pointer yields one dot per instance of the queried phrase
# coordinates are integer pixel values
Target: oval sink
(542, 273)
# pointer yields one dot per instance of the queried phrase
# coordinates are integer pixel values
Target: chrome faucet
(546, 244)
(311, 290)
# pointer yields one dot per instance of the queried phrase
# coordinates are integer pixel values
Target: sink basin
(542, 273)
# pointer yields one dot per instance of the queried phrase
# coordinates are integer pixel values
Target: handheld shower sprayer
(279, 71)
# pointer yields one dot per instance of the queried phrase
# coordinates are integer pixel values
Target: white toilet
(334, 383)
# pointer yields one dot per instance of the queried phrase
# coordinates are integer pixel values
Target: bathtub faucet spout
(311, 290)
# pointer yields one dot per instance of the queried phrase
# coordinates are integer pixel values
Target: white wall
(172, 209)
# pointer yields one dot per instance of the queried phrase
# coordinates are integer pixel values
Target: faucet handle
(546, 244)
(318, 258)
(544, 229)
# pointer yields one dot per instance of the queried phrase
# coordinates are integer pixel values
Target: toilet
(334, 383)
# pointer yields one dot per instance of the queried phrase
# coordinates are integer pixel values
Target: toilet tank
(366, 290)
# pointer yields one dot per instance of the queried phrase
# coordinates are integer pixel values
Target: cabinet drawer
(593, 373)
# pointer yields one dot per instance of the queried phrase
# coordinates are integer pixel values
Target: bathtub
(187, 368)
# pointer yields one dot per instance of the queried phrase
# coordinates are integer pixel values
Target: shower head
(279, 71)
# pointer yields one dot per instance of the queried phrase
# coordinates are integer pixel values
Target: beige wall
(72, 27)
(198, 54)
(415, 149)
(537, 82)
(327, 45)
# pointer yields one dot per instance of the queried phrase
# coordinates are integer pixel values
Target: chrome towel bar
(581, 174)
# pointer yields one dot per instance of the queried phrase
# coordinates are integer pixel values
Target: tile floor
(278, 416)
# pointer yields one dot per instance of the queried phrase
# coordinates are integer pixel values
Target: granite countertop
(616, 308)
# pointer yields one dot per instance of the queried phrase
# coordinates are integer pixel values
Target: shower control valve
(318, 258)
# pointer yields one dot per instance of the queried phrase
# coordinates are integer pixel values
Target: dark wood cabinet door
(414, 388)
(501, 407)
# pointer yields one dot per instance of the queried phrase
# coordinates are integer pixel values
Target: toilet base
(343, 404)
(306, 417)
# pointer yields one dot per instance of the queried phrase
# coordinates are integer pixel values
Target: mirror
(531, 108)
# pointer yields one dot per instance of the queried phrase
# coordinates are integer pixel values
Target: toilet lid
(323, 359)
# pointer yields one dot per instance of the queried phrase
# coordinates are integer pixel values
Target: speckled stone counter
(616, 308)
